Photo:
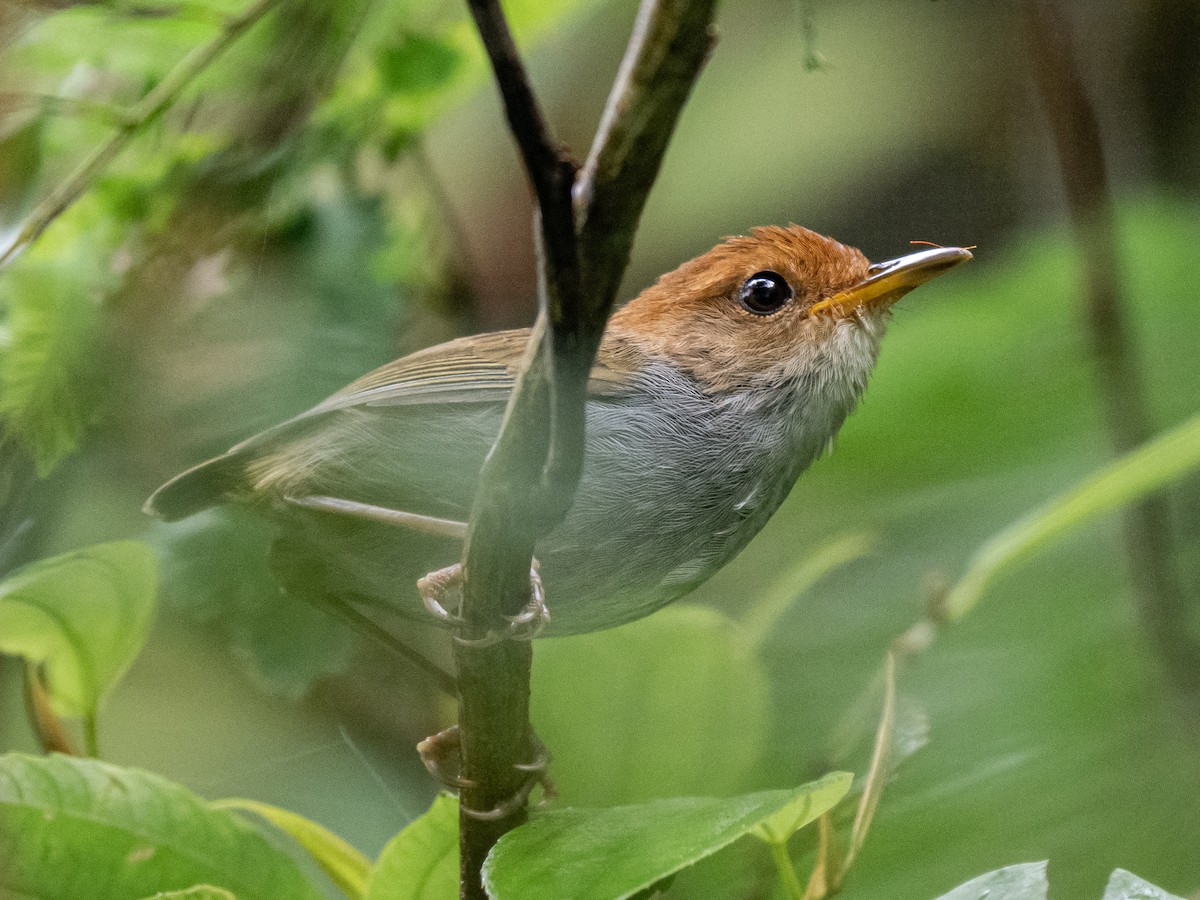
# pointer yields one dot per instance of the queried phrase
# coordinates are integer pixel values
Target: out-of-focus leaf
(345, 866)
(1142, 471)
(215, 569)
(410, 66)
(199, 892)
(764, 616)
(1025, 881)
(421, 862)
(74, 828)
(1123, 885)
(672, 705)
(49, 372)
(84, 615)
(608, 854)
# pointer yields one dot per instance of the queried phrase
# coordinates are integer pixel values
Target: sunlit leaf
(84, 615)
(345, 866)
(74, 828)
(608, 854)
(421, 862)
(1123, 885)
(675, 704)
(1140, 472)
(1025, 881)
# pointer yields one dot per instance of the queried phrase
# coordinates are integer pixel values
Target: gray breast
(676, 482)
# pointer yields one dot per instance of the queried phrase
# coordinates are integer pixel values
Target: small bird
(712, 391)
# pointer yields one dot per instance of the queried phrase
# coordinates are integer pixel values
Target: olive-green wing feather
(473, 370)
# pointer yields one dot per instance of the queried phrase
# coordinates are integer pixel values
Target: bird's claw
(437, 749)
(436, 587)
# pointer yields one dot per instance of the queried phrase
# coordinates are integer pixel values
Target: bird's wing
(478, 369)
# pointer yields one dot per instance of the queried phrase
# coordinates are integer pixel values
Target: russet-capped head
(753, 305)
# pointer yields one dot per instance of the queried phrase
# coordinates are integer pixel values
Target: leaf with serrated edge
(421, 862)
(73, 828)
(1024, 881)
(345, 866)
(1124, 885)
(85, 615)
(609, 854)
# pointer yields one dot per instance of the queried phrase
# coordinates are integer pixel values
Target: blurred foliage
(333, 191)
(83, 616)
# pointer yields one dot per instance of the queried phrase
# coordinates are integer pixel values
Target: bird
(711, 392)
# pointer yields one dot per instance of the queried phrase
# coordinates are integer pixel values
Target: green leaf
(1025, 881)
(814, 799)
(75, 828)
(764, 615)
(49, 373)
(215, 570)
(199, 892)
(345, 866)
(1123, 885)
(602, 854)
(421, 862)
(686, 681)
(84, 615)
(1140, 472)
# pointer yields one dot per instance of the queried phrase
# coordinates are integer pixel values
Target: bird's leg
(399, 518)
(439, 750)
(438, 587)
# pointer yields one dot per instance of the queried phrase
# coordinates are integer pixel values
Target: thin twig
(137, 117)
(530, 477)
(1149, 537)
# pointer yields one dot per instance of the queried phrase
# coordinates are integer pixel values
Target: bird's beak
(887, 282)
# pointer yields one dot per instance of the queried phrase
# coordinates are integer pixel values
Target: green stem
(91, 736)
(132, 122)
(787, 871)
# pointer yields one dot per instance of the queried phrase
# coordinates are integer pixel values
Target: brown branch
(529, 479)
(1148, 533)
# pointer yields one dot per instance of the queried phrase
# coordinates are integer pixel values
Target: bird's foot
(443, 589)
(439, 751)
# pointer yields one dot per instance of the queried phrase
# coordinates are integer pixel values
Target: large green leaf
(345, 866)
(608, 854)
(421, 862)
(676, 704)
(1124, 885)
(84, 615)
(1025, 881)
(74, 828)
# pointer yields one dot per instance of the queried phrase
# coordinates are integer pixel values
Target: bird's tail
(197, 489)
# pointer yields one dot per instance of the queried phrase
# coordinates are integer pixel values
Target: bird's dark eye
(764, 293)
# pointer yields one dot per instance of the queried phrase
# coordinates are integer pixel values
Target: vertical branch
(1148, 533)
(529, 479)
